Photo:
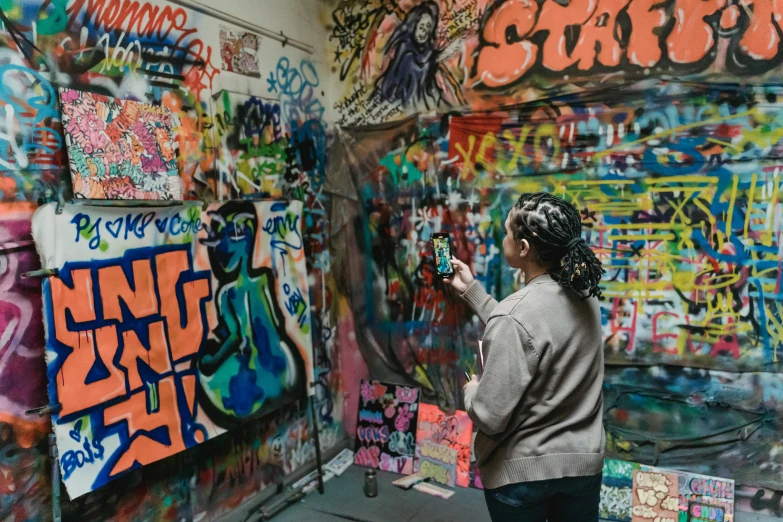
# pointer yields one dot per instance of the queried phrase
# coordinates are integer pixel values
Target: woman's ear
(524, 248)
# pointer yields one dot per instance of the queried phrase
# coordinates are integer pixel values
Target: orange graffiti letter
(692, 37)
(114, 285)
(134, 411)
(646, 18)
(185, 332)
(156, 356)
(78, 300)
(556, 19)
(73, 391)
(761, 40)
(598, 33)
(504, 56)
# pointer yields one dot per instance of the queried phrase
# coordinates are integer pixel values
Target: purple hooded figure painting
(412, 57)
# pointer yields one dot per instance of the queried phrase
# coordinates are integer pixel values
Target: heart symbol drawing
(74, 433)
(117, 224)
(160, 224)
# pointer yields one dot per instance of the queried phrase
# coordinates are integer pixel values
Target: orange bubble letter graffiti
(503, 56)
(185, 333)
(647, 17)
(597, 39)
(558, 19)
(692, 36)
(75, 394)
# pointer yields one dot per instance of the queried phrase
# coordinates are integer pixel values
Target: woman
(538, 406)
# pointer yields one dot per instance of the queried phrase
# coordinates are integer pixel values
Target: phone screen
(440, 245)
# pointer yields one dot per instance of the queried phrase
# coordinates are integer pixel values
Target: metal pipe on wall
(220, 15)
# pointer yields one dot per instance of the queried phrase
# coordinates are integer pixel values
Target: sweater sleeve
(481, 302)
(511, 363)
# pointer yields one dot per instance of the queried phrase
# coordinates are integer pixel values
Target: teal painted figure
(250, 366)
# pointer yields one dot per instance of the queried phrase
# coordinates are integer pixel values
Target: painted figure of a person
(251, 365)
(413, 61)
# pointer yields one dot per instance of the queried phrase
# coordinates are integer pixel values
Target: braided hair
(554, 228)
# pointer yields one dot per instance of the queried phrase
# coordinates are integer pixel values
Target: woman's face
(423, 29)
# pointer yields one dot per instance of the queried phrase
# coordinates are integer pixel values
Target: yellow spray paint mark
(751, 195)
(732, 201)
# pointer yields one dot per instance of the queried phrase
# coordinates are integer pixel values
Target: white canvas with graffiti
(166, 327)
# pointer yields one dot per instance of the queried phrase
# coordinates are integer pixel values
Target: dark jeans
(573, 499)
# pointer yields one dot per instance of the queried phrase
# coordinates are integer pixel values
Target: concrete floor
(344, 499)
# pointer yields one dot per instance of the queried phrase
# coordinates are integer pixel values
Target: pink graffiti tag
(712, 487)
(367, 456)
(406, 394)
(373, 434)
(372, 391)
(389, 406)
(403, 420)
(393, 464)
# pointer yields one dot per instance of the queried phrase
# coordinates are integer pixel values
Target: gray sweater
(539, 404)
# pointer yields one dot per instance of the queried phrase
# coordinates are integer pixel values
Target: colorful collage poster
(119, 149)
(705, 498)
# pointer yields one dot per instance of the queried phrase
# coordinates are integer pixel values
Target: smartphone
(441, 248)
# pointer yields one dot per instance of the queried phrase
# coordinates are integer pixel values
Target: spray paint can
(370, 483)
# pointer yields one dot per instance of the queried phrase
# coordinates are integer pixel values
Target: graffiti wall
(150, 52)
(679, 190)
(390, 58)
(703, 216)
(24, 467)
(259, 456)
(258, 151)
(163, 55)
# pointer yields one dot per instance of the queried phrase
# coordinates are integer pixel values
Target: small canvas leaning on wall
(166, 327)
(443, 446)
(385, 437)
(119, 149)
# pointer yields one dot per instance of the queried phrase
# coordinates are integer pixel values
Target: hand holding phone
(462, 278)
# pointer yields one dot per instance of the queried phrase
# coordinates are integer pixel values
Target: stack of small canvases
(397, 433)
(638, 493)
